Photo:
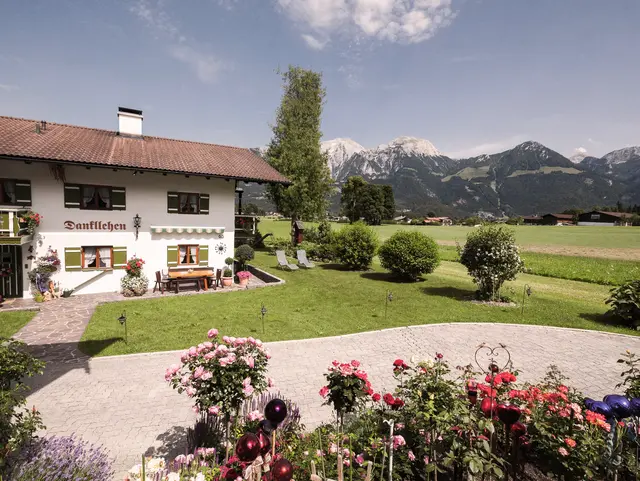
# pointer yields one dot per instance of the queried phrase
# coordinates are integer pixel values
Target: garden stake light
(525, 292)
(387, 300)
(263, 312)
(123, 322)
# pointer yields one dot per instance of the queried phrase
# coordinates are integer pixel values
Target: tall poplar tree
(295, 151)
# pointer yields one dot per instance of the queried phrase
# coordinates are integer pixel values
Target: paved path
(124, 403)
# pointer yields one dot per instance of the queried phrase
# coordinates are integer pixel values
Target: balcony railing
(9, 225)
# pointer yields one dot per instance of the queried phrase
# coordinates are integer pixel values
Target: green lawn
(12, 322)
(326, 301)
(587, 269)
(573, 236)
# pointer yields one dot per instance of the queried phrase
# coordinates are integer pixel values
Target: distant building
(557, 219)
(532, 220)
(441, 220)
(402, 219)
(597, 217)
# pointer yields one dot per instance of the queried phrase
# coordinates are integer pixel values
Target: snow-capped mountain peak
(578, 155)
(339, 151)
(621, 156)
(411, 146)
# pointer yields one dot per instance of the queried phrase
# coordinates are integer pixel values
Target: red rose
(376, 397)
(388, 398)
(398, 403)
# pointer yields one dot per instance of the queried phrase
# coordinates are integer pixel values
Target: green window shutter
(173, 203)
(118, 198)
(204, 255)
(172, 256)
(23, 192)
(72, 258)
(16, 224)
(119, 260)
(4, 221)
(204, 204)
(72, 196)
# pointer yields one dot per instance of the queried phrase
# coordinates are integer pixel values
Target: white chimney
(129, 122)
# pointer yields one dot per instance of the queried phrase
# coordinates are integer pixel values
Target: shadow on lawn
(605, 318)
(334, 267)
(388, 277)
(451, 292)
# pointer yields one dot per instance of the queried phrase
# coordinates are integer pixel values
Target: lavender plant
(63, 459)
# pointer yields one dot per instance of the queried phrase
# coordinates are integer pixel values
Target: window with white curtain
(187, 255)
(189, 203)
(95, 197)
(97, 257)
(8, 192)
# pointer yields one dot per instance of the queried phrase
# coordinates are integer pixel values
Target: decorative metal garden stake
(387, 300)
(525, 292)
(492, 354)
(263, 312)
(123, 322)
(390, 423)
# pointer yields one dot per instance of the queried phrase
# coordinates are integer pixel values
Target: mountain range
(527, 179)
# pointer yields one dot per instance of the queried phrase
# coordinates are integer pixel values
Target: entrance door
(10, 271)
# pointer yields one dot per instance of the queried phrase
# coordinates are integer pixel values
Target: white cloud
(313, 42)
(578, 154)
(488, 148)
(205, 66)
(403, 21)
(8, 87)
(593, 142)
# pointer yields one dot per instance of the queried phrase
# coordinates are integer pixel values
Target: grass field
(608, 272)
(607, 242)
(327, 301)
(12, 322)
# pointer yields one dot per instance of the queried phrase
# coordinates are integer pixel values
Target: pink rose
(563, 451)
(196, 409)
(249, 361)
(215, 410)
(212, 333)
(398, 441)
(271, 382)
(206, 376)
(208, 345)
(210, 355)
(426, 460)
(184, 356)
(255, 416)
(191, 391)
(193, 351)
(319, 453)
(185, 380)
(226, 339)
(333, 448)
(359, 459)
(412, 457)
(197, 374)
(355, 363)
(248, 390)
(324, 391)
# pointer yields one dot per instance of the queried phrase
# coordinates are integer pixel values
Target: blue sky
(471, 76)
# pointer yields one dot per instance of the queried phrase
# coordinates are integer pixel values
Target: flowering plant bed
(31, 220)
(243, 275)
(134, 266)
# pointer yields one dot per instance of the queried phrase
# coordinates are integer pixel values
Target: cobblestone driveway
(124, 403)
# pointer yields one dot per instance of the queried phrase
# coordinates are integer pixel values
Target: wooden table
(195, 275)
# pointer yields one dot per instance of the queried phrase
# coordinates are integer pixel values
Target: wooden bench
(191, 275)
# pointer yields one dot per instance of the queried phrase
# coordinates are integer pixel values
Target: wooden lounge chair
(283, 263)
(302, 259)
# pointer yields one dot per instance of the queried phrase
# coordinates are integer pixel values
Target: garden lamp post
(123, 322)
(263, 312)
(525, 292)
(387, 300)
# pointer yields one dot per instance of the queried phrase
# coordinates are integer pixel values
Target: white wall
(601, 224)
(146, 196)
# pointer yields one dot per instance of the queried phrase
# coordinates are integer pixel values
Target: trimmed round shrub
(491, 256)
(355, 246)
(134, 285)
(244, 254)
(624, 303)
(409, 254)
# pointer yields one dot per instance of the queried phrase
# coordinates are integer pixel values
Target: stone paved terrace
(124, 403)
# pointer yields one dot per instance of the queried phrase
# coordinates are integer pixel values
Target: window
(188, 203)
(188, 255)
(595, 216)
(96, 197)
(97, 257)
(8, 192)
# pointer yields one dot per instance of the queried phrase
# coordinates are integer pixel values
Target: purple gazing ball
(620, 405)
(275, 411)
(635, 405)
(602, 408)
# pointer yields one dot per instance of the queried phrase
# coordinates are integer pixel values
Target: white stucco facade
(146, 195)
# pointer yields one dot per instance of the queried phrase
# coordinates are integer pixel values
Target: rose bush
(220, 373)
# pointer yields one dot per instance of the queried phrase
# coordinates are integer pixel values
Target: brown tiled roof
(561, 216)
(83, 145)
(622, 215)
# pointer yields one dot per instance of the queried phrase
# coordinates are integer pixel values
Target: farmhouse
(597, 217)
(435, 220)
(532, 220)
(557, 219)
(105, 196)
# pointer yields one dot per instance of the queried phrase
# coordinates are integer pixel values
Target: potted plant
(29, 220)
(227, 273)
(243, 277)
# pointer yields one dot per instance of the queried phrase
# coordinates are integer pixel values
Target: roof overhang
(29, 160)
